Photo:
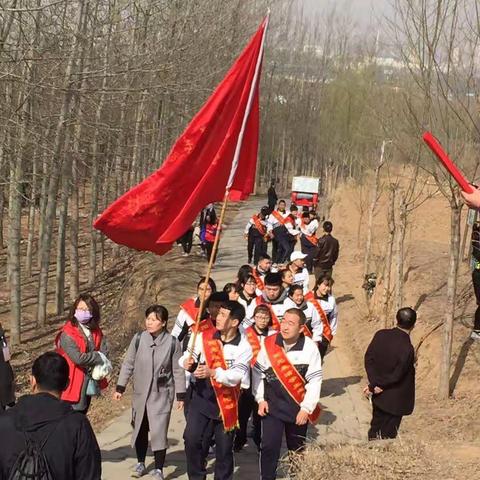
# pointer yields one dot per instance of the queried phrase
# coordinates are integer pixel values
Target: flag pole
(231, 178)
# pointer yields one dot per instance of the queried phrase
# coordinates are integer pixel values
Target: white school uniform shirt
(310, 229)
(251, 224)
(237, 357)
(272, 222)
(182, 318)
(308, 355)
(313, 317)
(302, 278)
(329, 306)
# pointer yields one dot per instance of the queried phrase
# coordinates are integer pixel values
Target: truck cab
(305, 191)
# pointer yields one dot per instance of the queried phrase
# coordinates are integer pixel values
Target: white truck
(305, 191)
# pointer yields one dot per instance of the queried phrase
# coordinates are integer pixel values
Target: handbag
(93, 389)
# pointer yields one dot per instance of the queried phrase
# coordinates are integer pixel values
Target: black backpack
(31, 464)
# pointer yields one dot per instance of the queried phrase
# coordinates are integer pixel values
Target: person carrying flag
(219, 361)
(255, 233)
(287, 380)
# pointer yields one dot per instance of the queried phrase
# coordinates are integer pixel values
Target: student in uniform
(324, 302)
(232, 290)
(286, 406)
(300, 273)
(287, 278)
(313, 327)
(278, 232)
(248, 290)
(188, 314)
(247, 406)
(308, 239)
(255, 233)
(219, 362)
(273, 296)
(263, 267)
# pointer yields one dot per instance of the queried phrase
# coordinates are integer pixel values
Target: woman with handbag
(152, 360)
(7, 378)
(82, 343)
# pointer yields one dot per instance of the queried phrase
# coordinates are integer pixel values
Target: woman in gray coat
(152, 359)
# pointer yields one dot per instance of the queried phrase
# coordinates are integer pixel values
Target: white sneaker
(157, 474)
(475, 335)
(139, 470)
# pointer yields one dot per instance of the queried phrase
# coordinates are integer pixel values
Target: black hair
(293, 289)
(218, 297)
(406, 318)
(265, 211)
(93, 307)
(244, 272)
(231, 287)
(323, 278)
(282, 201)
(160, 312)
(237, 311)
(327, 226)
(50, 371)
(299, 313)
(264, 256)
(273, 278)
(293, 207)
(264, 309)
(210, 282)
(306, 215)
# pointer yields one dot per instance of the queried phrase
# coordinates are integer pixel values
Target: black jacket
(71, 451)
(272, 198)
(390, 365)
(327, 253)
(7, 380)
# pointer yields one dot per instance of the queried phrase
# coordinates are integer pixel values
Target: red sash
(311, 238)
(275, 323)
(307, 332)
(227, 397)
(327, 331)
(254, 341)
(279, 217)
(258, 280)
(259, 225)
(288, 375)
(192, 311)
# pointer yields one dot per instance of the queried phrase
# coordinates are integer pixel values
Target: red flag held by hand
(155, 213)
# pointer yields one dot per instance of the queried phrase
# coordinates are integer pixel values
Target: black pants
(256, 246)
(282, 239)
(272, 434)
(187, 240)
(141, 445)
(476, 288)
(248, 406)
(323, 347)
(209, 249)
(198, 431)
(310, 251)
(383, 424)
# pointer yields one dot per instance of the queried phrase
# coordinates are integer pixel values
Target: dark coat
(71, 451)
(7, 379)
(390, 365)
(327, 252)
(272, 198)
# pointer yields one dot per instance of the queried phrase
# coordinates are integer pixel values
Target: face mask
(83, 316)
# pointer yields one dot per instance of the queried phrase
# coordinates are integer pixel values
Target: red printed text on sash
(254, 341)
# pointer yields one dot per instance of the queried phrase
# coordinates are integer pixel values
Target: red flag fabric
(156, 212)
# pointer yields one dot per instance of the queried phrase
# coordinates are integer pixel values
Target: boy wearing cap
(300, 273)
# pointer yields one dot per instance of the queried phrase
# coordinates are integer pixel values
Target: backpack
(31, 464)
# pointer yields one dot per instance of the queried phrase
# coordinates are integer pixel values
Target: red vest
(76, 374)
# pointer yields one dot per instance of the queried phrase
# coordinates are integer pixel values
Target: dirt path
(345, 417)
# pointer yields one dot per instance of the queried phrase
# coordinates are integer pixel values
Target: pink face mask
(83, 316)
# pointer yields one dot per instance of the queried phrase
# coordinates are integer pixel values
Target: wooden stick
(209, 270)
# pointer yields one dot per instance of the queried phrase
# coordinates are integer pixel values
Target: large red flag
(153, 214)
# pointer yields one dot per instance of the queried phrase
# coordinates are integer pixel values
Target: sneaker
(475, 335)
(157, 474)
(185, 254)
(139, 470)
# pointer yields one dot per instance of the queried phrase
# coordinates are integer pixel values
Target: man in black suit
(390, 366)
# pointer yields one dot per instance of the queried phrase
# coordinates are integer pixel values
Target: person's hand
(117, 396)
(302, 417)
(180, 405)
(263, 409)
(203, 371)
(377, 390)
(472, 199)
(188, 363)
(367, 392)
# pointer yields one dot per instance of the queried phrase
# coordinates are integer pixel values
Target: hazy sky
(360, 10)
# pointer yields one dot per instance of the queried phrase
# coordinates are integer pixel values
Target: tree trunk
(402, 229)
(56, 166)
(446, 353)
(388, 258)
(31, 217)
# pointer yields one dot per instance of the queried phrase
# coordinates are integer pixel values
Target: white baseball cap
(297, 256)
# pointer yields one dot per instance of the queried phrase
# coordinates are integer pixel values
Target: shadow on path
(334, 387)
(460, 363)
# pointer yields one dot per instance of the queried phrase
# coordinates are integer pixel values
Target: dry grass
(392, 460)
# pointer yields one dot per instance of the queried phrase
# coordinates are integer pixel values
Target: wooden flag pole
(209, 271)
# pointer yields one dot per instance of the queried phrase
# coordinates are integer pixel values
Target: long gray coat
(153, 358)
